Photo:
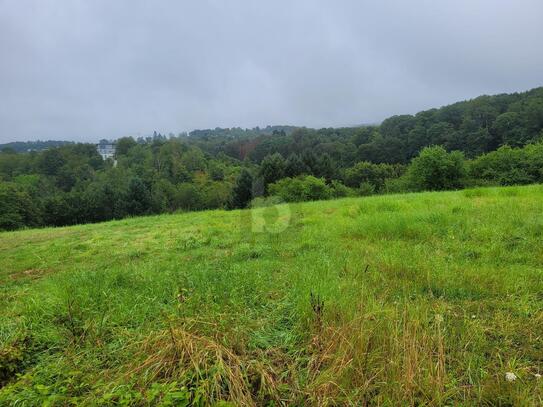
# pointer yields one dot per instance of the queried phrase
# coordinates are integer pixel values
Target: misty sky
(92, 69)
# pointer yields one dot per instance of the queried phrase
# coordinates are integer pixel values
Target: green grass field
(418, 299)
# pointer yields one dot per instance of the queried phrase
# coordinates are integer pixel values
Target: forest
(486, 141)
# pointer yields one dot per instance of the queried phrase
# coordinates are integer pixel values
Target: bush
(338, 190)
(366, 189)
(397, 185)
(316, 188)
(304, 188)
(188, 197)
(505, 166)
(435, 169)
(369, 173)
(534, 157)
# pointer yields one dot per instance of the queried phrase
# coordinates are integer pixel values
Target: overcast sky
(92, 69)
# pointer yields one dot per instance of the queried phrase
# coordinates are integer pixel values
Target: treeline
(486, 141)
(72, 184)
(434, 169)
(474, 127)
(26, 146)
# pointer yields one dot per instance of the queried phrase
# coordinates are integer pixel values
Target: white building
(106, 150)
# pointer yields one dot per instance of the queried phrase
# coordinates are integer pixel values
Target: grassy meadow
(418, 299)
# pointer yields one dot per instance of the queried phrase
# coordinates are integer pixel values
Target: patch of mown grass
(418, 299)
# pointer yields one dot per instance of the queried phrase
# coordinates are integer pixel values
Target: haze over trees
(490, 140)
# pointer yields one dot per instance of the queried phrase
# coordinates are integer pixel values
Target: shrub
(397, 185)
(338, 190)
(369, 173)
(304, 188)
(436, 169)
(188, 197)
(505, 166)
(366, 189)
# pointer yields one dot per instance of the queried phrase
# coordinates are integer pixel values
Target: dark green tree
(51, 161)
(123, 145)
(272, 169)
(243, 190)
(310, 160)
(188, 197)
(138, 198)
(57, 210)
(294, 166)
(17, 209)
(325, 167)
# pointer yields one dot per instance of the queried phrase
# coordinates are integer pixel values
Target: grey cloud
(85, 70)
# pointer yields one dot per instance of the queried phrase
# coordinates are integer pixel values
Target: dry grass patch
(203, 364)
(30, 274)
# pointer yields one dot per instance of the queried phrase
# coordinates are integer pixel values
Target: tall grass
(419, 299)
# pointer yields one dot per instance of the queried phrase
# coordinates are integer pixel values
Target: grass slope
(419, 299)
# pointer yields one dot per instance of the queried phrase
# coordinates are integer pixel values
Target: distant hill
(25, 146)
(238, 132)
(475, 127)
(203, 169)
